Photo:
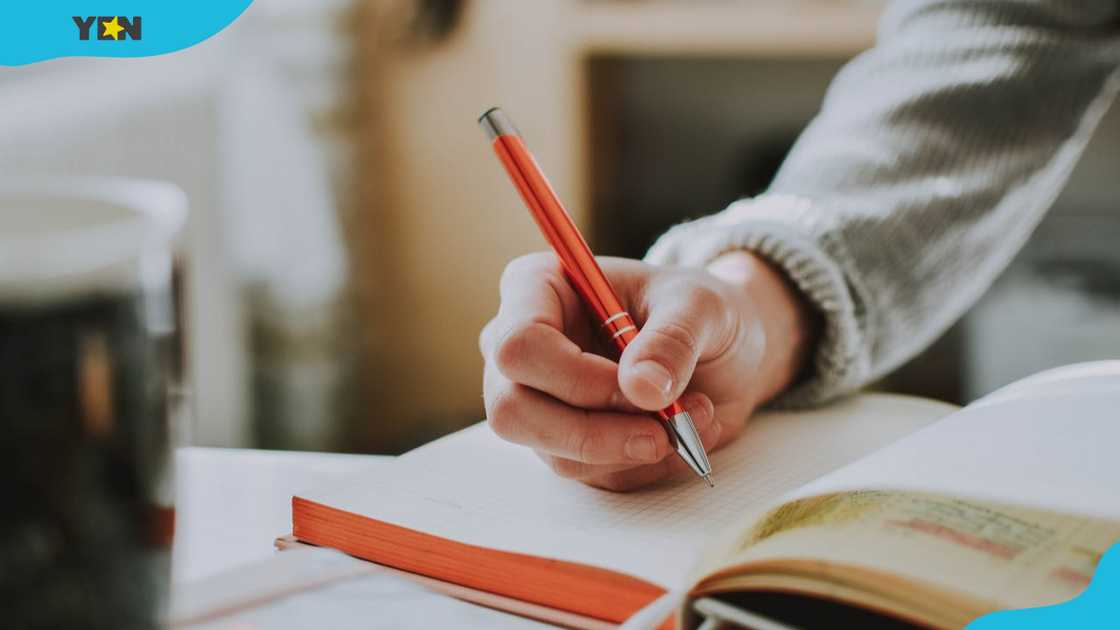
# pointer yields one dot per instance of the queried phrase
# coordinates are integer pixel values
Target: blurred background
(349, 224)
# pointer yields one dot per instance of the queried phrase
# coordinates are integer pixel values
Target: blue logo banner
(41, 30)
(1098, 606)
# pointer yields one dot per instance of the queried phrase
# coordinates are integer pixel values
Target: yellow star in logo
(112, 28)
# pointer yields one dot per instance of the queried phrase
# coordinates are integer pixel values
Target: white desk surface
(232, 503)
(230, 506)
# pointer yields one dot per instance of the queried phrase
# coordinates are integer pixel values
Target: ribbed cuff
(795, 236)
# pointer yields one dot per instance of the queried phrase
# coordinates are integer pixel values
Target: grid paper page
(474, 488)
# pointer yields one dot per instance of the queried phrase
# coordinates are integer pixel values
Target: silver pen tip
(686, 441)
(708, 478)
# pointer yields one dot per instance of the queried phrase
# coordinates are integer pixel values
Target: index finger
(530, 293)
(533, 288)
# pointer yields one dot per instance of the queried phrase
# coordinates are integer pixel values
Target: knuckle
(704, 299)
(675, 341)
(486, 337)
(584, 444)
(527, 266)
(614, 482)
(505, 410)
(577, 385)
(565, 468)
(513, 347)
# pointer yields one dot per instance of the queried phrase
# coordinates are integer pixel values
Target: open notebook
(804, 504)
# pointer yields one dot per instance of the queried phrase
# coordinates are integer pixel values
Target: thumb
(657, 365)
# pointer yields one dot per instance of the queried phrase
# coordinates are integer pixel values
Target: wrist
(789, 323)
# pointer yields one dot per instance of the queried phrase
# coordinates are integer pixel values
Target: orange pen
(583, 271)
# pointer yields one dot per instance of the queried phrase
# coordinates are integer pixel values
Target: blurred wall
(1059, 301)
(440, 220)
(323, 142)
(644, 114)
(156, 118)
(230, 121)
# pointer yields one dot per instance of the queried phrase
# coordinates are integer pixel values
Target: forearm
(933, 158)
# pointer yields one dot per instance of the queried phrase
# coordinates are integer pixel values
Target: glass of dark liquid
(88, 354)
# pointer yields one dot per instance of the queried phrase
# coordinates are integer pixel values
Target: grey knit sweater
(933, 158)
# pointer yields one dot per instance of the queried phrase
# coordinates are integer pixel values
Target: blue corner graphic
(1097, 607)
(35, 30)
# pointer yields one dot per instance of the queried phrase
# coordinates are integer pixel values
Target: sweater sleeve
(933, 158)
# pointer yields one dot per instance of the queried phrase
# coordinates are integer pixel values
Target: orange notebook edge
(580, 590)
(475, 596)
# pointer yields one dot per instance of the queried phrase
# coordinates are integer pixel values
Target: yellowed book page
(474, 488)
(997, 555)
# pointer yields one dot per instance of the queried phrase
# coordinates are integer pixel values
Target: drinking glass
(88, 356)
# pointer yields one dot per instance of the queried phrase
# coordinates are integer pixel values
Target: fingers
(529, 295)
(621, 478)
(544, 359)
(685, 323)
(525, 416)
(529, 343)
(533, 288)
(581, 412)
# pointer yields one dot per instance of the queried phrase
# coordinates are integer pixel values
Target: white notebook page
(474, 488)
(1057, 449)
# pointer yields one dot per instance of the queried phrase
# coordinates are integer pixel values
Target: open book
(899, 508)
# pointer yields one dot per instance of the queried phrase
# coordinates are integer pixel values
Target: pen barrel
(559, 230)
(620, 328)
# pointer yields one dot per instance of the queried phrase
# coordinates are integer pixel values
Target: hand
(728, 338)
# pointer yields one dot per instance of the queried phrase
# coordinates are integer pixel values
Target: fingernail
(658, 377)
(641, 448)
